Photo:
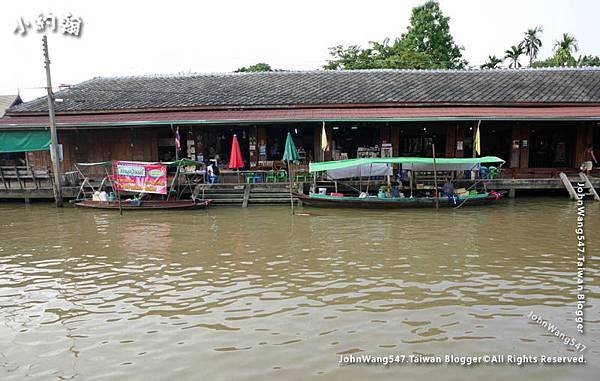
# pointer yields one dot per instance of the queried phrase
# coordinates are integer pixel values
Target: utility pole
(57, 186)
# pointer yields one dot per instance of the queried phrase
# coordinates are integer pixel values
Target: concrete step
(269, 195)
(223, 191)
(269, 190)
(270, 201)
(218, 196)
(226, 201)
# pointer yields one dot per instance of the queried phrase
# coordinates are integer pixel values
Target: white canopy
(365, 170)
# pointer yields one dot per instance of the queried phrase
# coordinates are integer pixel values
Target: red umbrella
(235, 160)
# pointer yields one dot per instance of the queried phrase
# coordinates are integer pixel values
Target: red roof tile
(307, 114)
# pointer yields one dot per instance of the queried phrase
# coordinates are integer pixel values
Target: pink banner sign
(140, 177)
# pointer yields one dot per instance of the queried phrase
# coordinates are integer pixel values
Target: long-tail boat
(381, 169)
(141, 178)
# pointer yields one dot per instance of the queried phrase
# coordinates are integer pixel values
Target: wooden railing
(24, 177)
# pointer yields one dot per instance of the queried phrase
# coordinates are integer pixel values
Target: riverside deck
(278, 193)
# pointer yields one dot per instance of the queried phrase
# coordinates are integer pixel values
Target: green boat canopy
(408, 163)
(176, 163)
(24, 141)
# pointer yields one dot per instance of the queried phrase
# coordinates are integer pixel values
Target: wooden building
(539, 120)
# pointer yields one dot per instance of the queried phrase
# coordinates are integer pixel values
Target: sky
(121, 38)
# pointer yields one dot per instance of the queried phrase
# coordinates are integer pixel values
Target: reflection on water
(258, 294)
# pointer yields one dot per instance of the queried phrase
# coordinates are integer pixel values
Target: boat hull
(376, 203)
(145, 205)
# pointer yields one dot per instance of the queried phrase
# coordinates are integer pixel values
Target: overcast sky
(149, 37)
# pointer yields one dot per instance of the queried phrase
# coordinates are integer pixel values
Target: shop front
(355, 140)
(417, 140)
(271, 141)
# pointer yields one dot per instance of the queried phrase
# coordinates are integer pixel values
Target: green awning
(181, 163)
(24, 141)
(415, 163)
(96, 164)
(176, 163)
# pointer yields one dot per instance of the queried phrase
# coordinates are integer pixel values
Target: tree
(532, 42)
(585, 61)
(429, 32)
(548, 62)
(255, 68)
(564, 49)
(427, 44)
(513, 54)
(493, 62)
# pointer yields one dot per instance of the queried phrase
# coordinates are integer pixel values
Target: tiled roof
(324, 88)
(7, 101)
(283, 115)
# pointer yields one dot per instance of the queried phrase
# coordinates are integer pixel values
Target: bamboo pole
(437, 202)
(290, 175)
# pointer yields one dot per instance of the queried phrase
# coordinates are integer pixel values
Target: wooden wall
(584, 137)
(101, 145)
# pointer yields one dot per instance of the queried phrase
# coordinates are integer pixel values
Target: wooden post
(290, 174)
(57, 185)
(437, 202)
(115, 188)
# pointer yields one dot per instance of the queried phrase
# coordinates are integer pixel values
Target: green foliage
(493, 62)
(532, 42)
(582, 61)
(427, 44)
(588, 61)
(548, 62)
(564, 49)
(429, 32)
(255, 68)
(513, 54)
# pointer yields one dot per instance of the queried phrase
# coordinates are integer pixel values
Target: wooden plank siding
(585, 137)
(101, 145)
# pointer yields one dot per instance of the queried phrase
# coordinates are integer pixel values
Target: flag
(477, 142)
(177, 140)
(324, 139)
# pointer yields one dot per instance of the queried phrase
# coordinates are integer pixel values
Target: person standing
(213, 172)
(588, 159)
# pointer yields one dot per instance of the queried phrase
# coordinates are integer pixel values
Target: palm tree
(532, 42)
(493, 62)
(564, 50)
(568, 44)
(513, 55)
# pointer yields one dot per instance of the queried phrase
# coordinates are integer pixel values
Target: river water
(256, 294)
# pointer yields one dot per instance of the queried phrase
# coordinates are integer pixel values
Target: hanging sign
(140, 177)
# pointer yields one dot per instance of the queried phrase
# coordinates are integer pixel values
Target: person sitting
(448, 190)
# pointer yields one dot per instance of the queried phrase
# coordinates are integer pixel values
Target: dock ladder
(589, 187)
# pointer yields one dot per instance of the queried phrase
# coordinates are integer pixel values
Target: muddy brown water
(256, 294)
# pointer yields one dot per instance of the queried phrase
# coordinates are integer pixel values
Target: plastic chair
(282, 176)
(271, 177)
(302, 177)
(249, 177)
(494, 173)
